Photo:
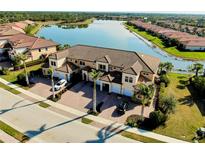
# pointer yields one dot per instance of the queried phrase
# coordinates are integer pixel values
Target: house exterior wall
(36, 54)
(58, 62)
(202, 48)
(106, 66)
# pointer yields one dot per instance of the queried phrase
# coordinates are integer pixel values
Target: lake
(111, 34)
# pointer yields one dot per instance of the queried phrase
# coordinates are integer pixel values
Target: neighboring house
(122, 70)
(34, 47)
(193, 42)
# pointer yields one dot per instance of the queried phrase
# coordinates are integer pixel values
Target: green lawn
(85, 22)
(44, 105)
(86, 121)
(139, 137)
(12, 76)
(187, 117)
(13, 132)
(14, 91)
(191, 55)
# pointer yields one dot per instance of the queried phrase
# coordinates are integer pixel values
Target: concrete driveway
(80, 97)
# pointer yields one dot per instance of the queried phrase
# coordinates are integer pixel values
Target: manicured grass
(12, 76)
(191, 55)
(187, 117)
(139, 137)
(44, 105)
(14, 91)
(86, 121)
(13, 132)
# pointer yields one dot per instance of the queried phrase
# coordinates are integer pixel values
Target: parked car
(60, 84)
(122, 107)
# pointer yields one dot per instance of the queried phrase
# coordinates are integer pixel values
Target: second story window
(128, 79)
(53, 63)
(82, 63)
(39, 50)
(101, 67)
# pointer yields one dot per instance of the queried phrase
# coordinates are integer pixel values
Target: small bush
(5, 71)
(21, 79)
(134, 120)
(157, 118)
(164, 79)
(86, 121)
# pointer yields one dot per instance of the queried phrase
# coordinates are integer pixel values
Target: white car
(60, 84)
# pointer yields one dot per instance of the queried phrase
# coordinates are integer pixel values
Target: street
(43, 125)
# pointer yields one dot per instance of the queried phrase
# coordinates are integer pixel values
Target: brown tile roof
(67, 67)
(25, 41)
(119, 58)
(114, 76)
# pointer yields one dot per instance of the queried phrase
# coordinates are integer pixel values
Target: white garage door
(127, 92)
(116, 88)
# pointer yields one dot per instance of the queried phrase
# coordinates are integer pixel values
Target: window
(53, 63)
(76, 61)
(82, 63)
(130, 79)
(126, 79)
(102, 67)
(39, 50)
(46, 49)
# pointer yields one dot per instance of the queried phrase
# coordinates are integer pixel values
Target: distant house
(122, 70)
(193, 42)
(34, 47)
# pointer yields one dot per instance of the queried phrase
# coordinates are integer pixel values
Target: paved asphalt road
(43, 125)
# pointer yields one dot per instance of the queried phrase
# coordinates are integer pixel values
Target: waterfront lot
(189, 114)
(80, 97)
(190, 55)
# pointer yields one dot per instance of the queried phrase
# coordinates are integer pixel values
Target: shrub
(134, 120)
(199, 84)
(157, 118)
(21, 79)
(5, 71)
(164, 79)
(167, 104)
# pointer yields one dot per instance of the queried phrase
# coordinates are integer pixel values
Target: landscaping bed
(14, 91)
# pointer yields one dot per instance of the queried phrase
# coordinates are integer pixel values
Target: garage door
(59, 75)
(116, 88)
(127, 92)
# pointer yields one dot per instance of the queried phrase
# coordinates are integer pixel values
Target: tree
(146, 91)
(51, 72)
(157, 118)
(197, 67)
(164, 79)
(167, 104)
(165, 67)
(23, 58)
(95, 75)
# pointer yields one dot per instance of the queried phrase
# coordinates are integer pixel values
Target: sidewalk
(7, 138)
(96, 119)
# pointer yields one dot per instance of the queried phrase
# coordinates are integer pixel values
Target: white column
(101, 87)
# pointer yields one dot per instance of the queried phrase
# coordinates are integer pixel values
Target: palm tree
(51, 71)
(197, 67)
(23, 58)
(166, 66)
(146, 91)
(95, 75)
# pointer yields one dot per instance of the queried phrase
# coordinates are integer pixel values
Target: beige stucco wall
(59, 62)
(36, 54)
(106, 66)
